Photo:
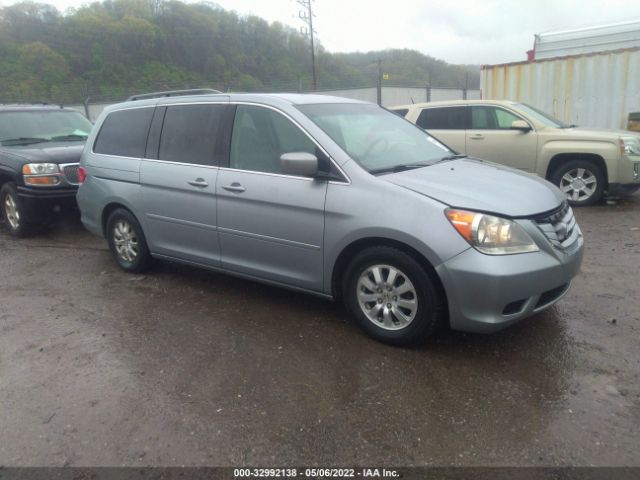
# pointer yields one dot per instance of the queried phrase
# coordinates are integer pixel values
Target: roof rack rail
(173, 93)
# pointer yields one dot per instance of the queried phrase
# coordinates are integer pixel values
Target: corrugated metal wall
(598, 90)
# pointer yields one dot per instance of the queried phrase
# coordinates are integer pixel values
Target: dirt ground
(187, 367)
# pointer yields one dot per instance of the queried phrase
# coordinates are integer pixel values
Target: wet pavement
(188, 367)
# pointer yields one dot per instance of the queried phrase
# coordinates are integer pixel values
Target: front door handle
(477, 137)
(235, 187)
(198, 182)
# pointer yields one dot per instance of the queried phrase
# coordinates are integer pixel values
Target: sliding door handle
(234, 187)
(198, 182)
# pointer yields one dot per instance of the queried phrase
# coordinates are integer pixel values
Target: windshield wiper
(452, 157)
(398, 168)
(23, 141)
(569, 126)
(71, 137)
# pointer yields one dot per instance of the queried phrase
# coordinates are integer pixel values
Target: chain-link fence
(386, 95)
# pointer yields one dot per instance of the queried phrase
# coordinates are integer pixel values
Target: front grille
(70, 172)
(551, 295)
(560, 227)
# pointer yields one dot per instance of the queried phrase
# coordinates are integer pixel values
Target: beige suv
(583, 163)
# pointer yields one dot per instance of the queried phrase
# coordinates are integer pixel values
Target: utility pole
(306, 16)
(379, 87)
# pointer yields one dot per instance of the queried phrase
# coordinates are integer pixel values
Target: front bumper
(487, 293)
(628, 180)
(41, 202)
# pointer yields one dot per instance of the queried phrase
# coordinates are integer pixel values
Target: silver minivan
(330, 196)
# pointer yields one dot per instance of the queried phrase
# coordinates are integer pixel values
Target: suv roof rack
(173, 93)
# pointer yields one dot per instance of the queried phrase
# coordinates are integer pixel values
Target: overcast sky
(459, 31)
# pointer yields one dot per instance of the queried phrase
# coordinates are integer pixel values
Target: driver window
(260, 136)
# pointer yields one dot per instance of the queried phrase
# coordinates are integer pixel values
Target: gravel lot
(188, 367)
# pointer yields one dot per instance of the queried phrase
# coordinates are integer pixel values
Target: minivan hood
(483, 186)
(59, 152)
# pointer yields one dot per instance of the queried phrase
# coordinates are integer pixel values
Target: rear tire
(127, 242)
(581, 181)
(392, 297)
(13, 212)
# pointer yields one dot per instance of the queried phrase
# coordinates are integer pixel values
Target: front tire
(127, 242)
(581, 181)
(392, 297)
(13, 211)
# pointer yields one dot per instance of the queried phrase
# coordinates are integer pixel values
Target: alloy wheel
(126, 241)
(579, 184)
(11, 212)
(387, 297)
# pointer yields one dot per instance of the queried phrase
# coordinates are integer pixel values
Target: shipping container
(579, 41)
(597, 90)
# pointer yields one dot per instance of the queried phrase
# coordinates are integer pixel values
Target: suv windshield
(377, 139)
(541, 116)
(29, 127)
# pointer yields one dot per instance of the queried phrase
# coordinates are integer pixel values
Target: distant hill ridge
(107, 50)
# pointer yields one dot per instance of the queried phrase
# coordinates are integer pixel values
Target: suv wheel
(126, 241)
(13, 211)
(391, 296)
(581, 181)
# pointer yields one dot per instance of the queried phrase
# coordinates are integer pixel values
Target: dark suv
(40, 146)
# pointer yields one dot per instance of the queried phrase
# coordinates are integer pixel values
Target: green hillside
(111, 49)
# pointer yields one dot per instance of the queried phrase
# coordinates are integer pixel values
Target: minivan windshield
(380, 141)
(541, 116)
(31, 127)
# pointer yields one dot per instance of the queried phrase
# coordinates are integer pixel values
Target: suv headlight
(630, 146)
(41, 174)
(489, 234)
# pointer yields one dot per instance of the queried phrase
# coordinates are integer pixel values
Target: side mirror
(299, 163)
(520, 125)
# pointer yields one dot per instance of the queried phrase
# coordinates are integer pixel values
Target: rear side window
(124, 133)
(449, 118)
(189, 133)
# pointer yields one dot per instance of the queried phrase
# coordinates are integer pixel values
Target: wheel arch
(109, 209)
(558, 159)
(349, 251)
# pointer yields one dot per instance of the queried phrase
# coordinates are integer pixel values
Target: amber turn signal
(462, 221)
(46, 180)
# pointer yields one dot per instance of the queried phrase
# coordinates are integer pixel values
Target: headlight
(489, 234)
(41, 174)
(630, 146)
(40, 169)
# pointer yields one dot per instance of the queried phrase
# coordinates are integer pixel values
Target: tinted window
(189, 133)
(124, 133)
(260, 136)
(449, 118)
(491, 118)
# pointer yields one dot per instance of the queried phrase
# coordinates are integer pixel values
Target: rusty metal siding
(597, 90)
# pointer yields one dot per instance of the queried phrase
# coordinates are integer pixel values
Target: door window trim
(501, 107)
(346, 181)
